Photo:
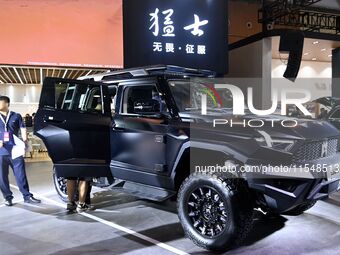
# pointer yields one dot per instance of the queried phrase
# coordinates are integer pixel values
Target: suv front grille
(316, 150)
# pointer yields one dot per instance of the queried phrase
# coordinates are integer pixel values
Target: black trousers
(18, 166)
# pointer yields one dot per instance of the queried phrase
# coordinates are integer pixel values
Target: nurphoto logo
(240, 105)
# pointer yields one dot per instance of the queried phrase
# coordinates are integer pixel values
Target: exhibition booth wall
(259, 69)
(313, 76)
(24, 98)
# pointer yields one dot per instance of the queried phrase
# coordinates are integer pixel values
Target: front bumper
(325, 168)
(288, 187)
(324, 189)
(281, 195)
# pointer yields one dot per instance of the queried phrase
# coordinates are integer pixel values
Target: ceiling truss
(31, 75)
(300, 15)
(273, 10)
(312, 21)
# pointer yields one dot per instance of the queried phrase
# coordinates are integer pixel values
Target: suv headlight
(278, 144)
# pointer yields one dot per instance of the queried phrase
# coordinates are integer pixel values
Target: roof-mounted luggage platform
(149, 71)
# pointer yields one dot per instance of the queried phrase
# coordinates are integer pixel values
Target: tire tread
(244, 223)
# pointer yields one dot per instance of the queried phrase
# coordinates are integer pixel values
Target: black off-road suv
(141, 131)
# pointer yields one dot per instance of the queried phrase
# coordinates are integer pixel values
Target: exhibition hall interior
(170, 127)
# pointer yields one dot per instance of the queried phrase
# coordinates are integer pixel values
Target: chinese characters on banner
(196, 29)
(186, 33)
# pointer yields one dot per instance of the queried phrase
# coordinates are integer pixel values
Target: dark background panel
(336, 73)
(138, 39)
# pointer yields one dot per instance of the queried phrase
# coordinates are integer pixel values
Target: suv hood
(328, 101)
(307, 129)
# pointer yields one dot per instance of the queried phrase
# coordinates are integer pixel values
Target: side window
(143, 100)
(336, 114)
(113, 97)
(76, 97)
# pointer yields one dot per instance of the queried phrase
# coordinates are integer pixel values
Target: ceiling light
(88, 73)
(65, 74)
(315, 42)
(314, 59)
(306, 54)
(330, 55)
(323, 49)
(19, 78)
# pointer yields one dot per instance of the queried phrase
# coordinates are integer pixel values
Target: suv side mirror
(147, 107)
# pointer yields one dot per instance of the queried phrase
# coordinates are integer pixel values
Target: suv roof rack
(149, 70)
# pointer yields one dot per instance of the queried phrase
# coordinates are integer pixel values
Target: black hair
(5, 98)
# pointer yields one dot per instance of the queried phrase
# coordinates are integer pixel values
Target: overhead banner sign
(84, 34)
(190, 33)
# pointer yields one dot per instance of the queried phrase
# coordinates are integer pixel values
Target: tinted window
(336, 114)
(135, 94)
(188, 96)
(113, 101)
(75, 97)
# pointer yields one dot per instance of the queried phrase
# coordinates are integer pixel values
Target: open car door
(74, 120)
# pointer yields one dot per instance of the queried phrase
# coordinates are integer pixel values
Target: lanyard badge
(6, 137)
(6, 133)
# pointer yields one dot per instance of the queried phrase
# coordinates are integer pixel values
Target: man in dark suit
(10, 125)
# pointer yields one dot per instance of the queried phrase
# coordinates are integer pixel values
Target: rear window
(72, 96)
(75, 97)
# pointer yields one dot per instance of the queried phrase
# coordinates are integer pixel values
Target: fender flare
(207, 146)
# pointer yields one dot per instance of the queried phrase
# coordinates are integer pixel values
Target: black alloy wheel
(207, 211)
(60, 184)
(215, 212)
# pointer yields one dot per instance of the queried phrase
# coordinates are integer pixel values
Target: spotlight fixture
(323, 49)
(306, 54)
(314, 59)
(316, 42)
(330, 55)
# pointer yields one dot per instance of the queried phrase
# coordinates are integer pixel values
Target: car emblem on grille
(324, 149)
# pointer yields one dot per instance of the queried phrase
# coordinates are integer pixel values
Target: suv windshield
(188, 96)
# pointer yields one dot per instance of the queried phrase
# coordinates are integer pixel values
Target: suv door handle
(117, 128)
(52, 120)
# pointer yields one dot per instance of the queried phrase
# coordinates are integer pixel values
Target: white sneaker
(82, 208)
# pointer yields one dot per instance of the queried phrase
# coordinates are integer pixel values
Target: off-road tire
(300, 209)
(60, 186)
(237, 206)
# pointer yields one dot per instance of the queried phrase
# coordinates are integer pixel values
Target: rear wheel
(60, 185)
(216, 213)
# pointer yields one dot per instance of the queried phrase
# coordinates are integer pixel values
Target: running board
(142, 191)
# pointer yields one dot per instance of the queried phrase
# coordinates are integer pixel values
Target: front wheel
(216, 213)
(60, 184)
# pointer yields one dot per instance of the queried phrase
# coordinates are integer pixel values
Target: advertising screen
(87, 33)
(190, 33)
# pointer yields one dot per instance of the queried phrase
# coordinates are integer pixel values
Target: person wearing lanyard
(10, 124)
